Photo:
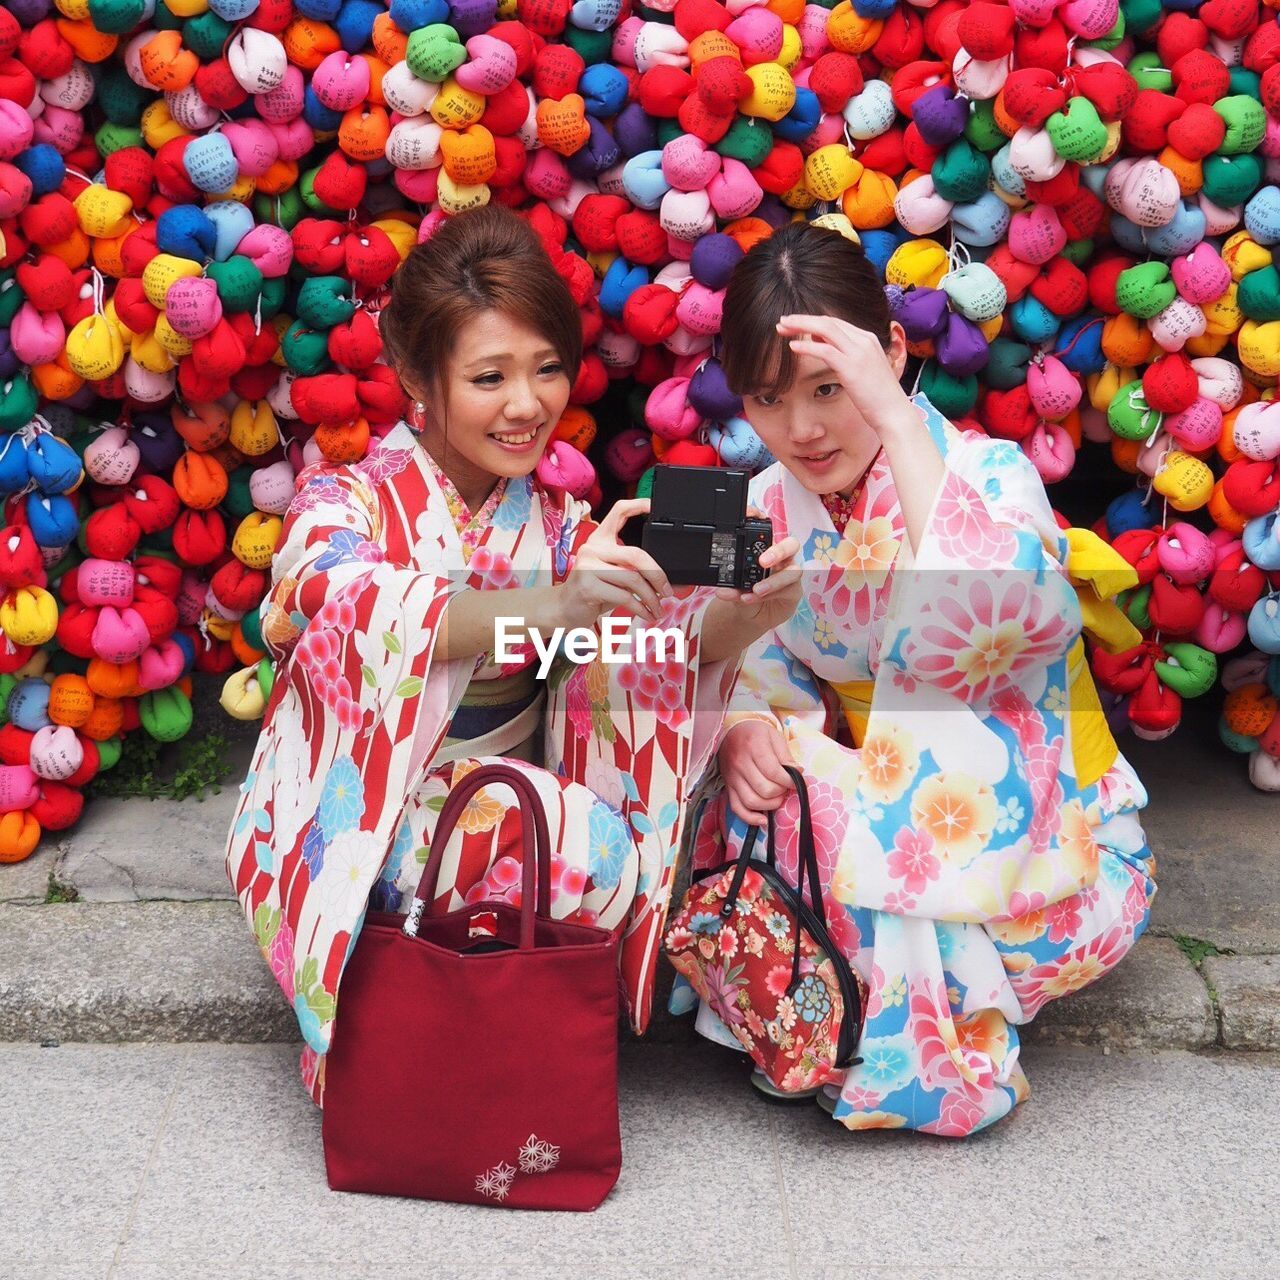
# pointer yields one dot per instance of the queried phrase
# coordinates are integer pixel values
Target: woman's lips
(516, 441)
(819, 461)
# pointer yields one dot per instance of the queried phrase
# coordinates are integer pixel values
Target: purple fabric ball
(940, 116)
(29, 12)
(714, 258)
(9, 363)
(961, 348)
(600, 152)
(472, 17)
(922, 313)
(710, 395)
(159, 445)
(634, 130)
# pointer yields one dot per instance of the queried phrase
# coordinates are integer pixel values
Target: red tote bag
(475, 1057)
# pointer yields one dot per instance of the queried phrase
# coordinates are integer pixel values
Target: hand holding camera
(608, 574)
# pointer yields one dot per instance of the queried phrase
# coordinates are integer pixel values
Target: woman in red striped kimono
(387, 588)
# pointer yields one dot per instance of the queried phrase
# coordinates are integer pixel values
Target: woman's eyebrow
(824, 372)
(499, 356)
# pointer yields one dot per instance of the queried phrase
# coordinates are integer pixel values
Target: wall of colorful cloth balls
(1075, 205)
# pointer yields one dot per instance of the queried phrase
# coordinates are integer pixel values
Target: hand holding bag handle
(536, 858)
(806, 865)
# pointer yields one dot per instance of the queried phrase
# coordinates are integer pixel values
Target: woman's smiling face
(505, 389)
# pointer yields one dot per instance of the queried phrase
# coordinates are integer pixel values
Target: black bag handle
(806, 866)
(536, 858)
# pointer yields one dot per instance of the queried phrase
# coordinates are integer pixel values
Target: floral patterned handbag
(761, 957)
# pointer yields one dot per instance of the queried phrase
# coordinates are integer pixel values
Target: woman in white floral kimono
(386, 587)
(976, 826)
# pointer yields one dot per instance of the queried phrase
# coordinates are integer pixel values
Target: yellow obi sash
(1098, 572)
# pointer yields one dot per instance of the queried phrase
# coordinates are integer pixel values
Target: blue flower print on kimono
(978, 856)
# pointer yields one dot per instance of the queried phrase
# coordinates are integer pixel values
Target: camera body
(698, 529)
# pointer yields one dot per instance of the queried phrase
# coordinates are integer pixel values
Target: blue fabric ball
(1079, 344)
(54, 464)
(802, 119)
(29, 705)
(604, 89)
(620, 281)
(44, 167)
(1128, 511)
(354, 24)
(52, 518)
(185, 231)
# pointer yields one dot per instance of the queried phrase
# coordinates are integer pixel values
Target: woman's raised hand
(752, 756)
(609, 575)
(861, 365)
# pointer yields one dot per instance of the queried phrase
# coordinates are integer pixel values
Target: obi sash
(497, 717)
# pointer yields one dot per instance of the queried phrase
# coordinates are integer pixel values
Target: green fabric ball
(307, 190)
(322, 302)
(1147, 70)
(239, 501)
(1078, 252)
(591, 46)
(1246, 123)
(434, 52)
(1145, 290)
(1190, 670)
(1112, 38)
(961, 173)
(11, 296)
(164, 19)
(239, 283)
(1007, 364)
(981, 128)
(1129, 415)
(1245, 82)
(62, 663)
(1077, 133)
(165, 714)
(282, 211)
(953, 397)
(1135, 604)
(122, 101)
(111, 138)
(669, 131)
(116, 17)
(273, 294)
(109, 753)
(205, 35)
(1231, 180)
(1258, 294)
(8, 683)
(159, 545)
(745, 140)
(251, 629)
(304, 350)
(644, 486)
(18, 403)
(1141, 15)
(1234, 741)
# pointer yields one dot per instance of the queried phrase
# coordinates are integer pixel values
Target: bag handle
(536, 857)
(806, 866)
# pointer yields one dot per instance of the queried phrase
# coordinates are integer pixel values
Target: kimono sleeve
(986, 600)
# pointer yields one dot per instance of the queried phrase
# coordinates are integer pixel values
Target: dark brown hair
(801, 269)
(484, 258)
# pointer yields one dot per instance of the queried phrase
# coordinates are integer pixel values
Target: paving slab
(1153, 999)
(134, 849)
(135, 971)
(1247, 989)
(205, 1162)
(1215, 836)
(28, 880)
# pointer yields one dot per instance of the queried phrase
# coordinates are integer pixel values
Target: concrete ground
(154, 1162)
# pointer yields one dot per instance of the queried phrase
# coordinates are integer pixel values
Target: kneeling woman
(388, 584)
(976, 826)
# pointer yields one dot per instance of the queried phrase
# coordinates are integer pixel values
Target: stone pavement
(152, 1162)
(156, 950)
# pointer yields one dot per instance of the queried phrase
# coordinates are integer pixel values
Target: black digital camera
(698, 529)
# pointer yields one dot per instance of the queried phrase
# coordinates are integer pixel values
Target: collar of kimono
(463, 516)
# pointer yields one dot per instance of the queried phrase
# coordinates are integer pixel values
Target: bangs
(756, 359)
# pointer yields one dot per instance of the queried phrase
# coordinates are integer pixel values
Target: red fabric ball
(1103, 276)
(781, 169)
(1110, 88)
(1252, 488)
(1237, 583)
(1032, 94)
(649, 313)
(15, 745)
(110, 534)
(44, 50)
(1179, 34)
(1140, 548)
(326, 397)
(1155, 707)
(1169, 383)
(505, 111)
(901, 41)
(1059, 190)
(218, 87)
(238, 587)
(58, 806)
(1062, 287)
(885, 154)
(693, 17)
(75, 629)
(1174, 608)
(1198, 132)
(556, 71)
(152, 503)
(1146, 127)
(1010, 414)
(1199, 76)
(341, 183)
(1042, 46)
(199, 537)
(641, 238)
(986, 30)
(130, 170)
(47, 282)
(662, 89)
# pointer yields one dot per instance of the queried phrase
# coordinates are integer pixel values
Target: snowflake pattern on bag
(536, 1156)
